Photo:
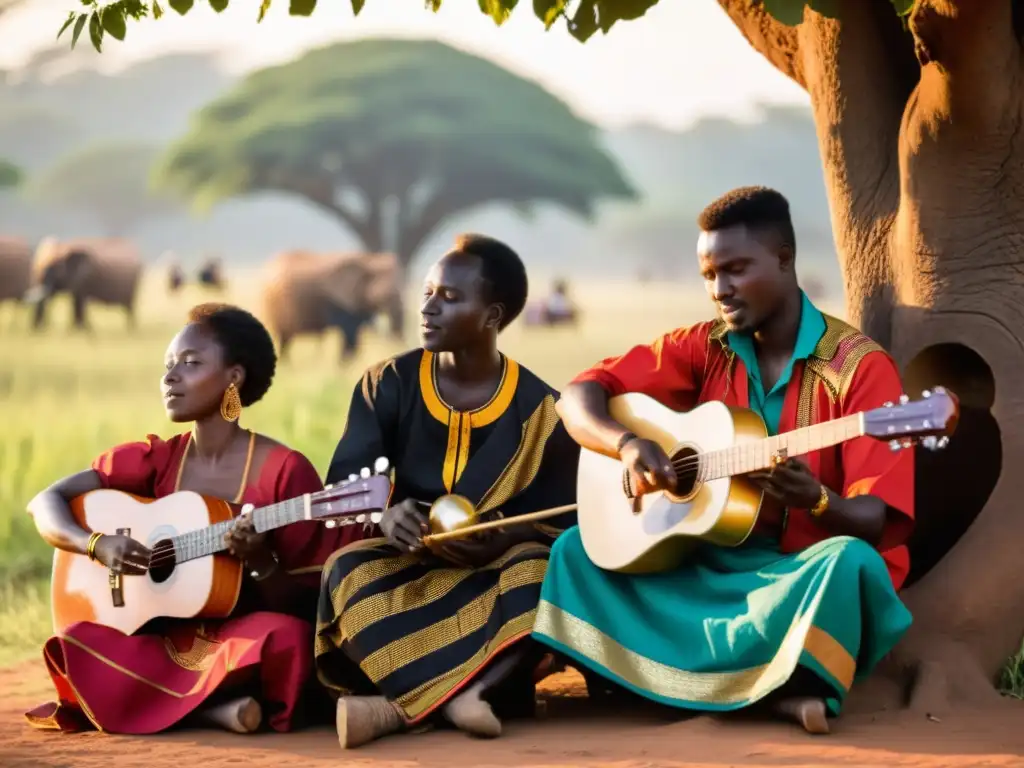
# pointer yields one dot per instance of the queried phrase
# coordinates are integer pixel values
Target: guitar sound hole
(162, 563)
(685, 462)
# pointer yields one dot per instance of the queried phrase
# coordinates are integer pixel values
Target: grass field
(64, 398)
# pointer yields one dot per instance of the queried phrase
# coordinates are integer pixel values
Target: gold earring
(231, 404)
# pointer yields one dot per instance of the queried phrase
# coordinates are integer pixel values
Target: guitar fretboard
(756, 455)
(210, 540)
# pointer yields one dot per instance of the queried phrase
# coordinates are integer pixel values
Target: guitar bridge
(115, 580)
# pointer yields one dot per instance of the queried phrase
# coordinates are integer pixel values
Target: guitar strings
(169, 555)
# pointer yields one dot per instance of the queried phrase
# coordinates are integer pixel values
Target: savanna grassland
(65, 397)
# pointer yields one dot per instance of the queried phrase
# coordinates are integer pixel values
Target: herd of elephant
(302, 292)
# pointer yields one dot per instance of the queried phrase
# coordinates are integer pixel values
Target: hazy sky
(682, 60)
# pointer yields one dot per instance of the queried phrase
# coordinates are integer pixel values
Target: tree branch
(772, 39)
(976, 54)
(860, 71)
(320, 192)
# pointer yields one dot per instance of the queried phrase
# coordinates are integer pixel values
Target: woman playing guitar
(230, 672)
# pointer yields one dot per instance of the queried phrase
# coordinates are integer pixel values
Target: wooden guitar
(711, 448)
(189, 575)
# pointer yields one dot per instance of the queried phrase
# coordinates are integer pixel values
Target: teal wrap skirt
(730, 626)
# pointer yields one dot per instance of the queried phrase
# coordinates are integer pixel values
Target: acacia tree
(918, 107)
(108, 182)
(393, 138)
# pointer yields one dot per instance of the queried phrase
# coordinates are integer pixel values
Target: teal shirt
(769, 404)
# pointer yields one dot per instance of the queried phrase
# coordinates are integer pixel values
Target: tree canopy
(392, 137)
(109, 182)
(582, 17)
(10, 175)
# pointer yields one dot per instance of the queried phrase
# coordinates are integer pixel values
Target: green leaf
(181, 6)
(903, 7)
(301, 7)
(584, 22)
(827, 8)
(434, 5)
(158, 12)
(499, 10)
(357, 6)
(68, 23)
(549, 11)
(113, 21)
(96, 32)
(218, 5)
(79, 26)
(264, 8)
(788, 12)
(611, 11)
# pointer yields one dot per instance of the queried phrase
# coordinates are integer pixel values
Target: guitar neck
(210, 540)
(757, 455)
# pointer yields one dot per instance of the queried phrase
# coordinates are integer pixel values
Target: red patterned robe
(145, 683)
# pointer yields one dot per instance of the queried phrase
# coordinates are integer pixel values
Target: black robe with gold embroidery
(417, 627)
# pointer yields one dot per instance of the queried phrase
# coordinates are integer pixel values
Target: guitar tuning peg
(247, 509)
(328, 486)
(353, 477)
(943, 442)
(888, 404)
(904, 399)
(381, 465)
(364, 472)
(330, 523)
(895, 445)
(360, 518)
(926, 393)
(376, 517)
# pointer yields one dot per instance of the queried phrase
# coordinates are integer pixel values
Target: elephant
(306, 292)
(105, 270)
(15, 268)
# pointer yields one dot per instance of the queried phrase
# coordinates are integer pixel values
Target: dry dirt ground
(571, 735)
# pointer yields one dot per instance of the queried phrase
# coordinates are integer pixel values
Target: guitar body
(654, 532)
(204, 587)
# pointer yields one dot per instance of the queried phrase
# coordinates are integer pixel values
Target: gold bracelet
(819, 509)
(90, 549)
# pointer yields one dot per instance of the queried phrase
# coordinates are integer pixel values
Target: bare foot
(809, 713)
(238, 715)
(361, 719)
(470, 713)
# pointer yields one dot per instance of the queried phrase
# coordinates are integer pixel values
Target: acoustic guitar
(190, 575)
(711, 448)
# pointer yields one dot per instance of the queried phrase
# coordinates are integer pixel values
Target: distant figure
(210, 274)
(556, 309)
(175, 276)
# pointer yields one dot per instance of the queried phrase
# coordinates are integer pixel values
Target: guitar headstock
(928, 421)
(354, 500)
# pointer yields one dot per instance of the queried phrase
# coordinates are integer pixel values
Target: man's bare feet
(361, 719)
(242, 715)
(470, 713)
(810, 713)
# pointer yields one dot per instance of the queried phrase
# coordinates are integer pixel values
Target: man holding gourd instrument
(808, 602)
(405, 631)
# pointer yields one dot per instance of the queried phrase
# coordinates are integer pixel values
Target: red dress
(145, 683)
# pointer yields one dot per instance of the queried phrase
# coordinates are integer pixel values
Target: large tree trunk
(919, 133)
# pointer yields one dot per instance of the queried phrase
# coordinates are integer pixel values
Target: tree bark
(919, 134)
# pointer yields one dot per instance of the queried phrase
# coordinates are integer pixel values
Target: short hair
(244, 341)
(757, 208)
(503, 271)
